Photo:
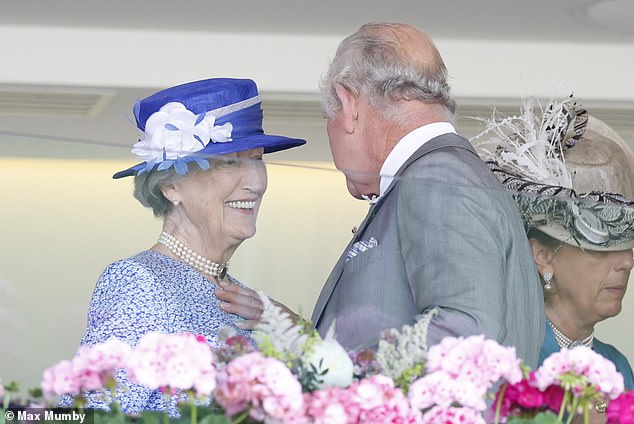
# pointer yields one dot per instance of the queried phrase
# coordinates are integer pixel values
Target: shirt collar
(406, 147)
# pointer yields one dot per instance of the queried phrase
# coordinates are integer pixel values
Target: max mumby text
(44, 415)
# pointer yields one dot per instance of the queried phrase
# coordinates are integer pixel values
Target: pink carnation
(264, 384)
(441, 389)
(584, 362)
(553, 397)
(93, 365)
(60, 379)
(451, 415)
(461, 370)
(331, 405)
(621, 409)
(89, 369)
(178, 361)
(381, 402)
(475, 359)
(371, 400)
(525, 397)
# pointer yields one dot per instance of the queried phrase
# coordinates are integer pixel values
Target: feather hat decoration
(530, 147)
(572, 175)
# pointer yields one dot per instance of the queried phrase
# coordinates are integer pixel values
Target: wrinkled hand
(245, 303)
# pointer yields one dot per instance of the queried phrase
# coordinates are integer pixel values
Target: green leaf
(541, 418)
(12, 387)
(150, 417)
(106, 418)
(546, 418)
(35, 392)
(214, 419)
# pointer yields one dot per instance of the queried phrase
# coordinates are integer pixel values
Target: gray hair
(373, 63)
(147, 189)
(148, 185)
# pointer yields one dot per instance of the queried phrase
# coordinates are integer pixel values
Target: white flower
(399, 351)
(329, 355)
(174, 132)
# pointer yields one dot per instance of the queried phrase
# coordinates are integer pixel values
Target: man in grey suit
(441, 232)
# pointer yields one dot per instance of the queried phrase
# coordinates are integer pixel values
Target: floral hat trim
(526, 153)
(174, 134)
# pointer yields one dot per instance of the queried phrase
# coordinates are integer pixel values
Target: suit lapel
(333, 278)
(436, 143)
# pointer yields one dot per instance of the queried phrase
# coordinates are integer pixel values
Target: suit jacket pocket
(363, 259)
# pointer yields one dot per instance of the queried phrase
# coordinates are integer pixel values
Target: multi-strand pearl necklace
(565, 342)
(192, 258)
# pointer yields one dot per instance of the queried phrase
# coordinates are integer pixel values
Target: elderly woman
(575, 182)
(201, 144)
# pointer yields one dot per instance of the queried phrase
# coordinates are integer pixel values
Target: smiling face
(589, 285)
(220, 205)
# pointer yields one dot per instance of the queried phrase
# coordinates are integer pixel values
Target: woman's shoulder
(147, 261)
(608, 350)
(141, 269)
(620, 361)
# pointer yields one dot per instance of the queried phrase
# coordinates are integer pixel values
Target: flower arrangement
(572, 380)
(295, 376)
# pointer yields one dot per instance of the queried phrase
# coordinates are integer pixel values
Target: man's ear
(349, 108)
(542, 256)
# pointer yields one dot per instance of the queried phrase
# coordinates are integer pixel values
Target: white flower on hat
(174, 132)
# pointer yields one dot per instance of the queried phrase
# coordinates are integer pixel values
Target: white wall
(479, 68)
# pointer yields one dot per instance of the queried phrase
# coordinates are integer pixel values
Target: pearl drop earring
(175, 202)
(548, 278)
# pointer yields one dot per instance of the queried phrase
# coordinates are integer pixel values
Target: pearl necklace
(565, 342)
(192, 258)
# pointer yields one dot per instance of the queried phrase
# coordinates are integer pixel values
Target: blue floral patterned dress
(151, 292)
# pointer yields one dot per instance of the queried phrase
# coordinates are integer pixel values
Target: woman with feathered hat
(574, 182)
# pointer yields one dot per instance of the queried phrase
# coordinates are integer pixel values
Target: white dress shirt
(406, 147)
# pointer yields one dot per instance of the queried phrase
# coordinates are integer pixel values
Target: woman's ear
(169, 191)
(542, 256)
(349, 108)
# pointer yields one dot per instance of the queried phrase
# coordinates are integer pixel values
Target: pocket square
(360, 247)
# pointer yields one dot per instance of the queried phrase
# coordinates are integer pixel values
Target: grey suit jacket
(449, 236)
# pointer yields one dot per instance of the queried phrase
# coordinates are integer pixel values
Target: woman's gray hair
(147, 186)
(147, 189)
(373, 63)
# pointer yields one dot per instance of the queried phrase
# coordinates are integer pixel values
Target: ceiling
(540, 20)
(534, 20)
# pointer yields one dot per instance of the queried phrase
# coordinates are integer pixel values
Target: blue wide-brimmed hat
(198, 120)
